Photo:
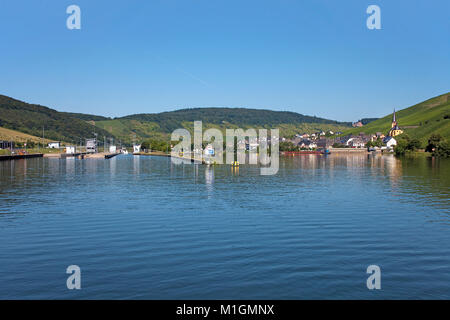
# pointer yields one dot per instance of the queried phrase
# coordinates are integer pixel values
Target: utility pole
(95, 142)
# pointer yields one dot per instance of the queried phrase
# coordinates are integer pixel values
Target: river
(144, 228)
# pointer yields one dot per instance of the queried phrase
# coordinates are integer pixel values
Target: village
(337, 140)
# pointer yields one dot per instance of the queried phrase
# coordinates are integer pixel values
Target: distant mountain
(32, 118)
(160, 125)
(86, 117)
(170, 121)
(418, 121)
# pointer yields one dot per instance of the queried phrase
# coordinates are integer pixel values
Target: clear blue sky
(314, 57)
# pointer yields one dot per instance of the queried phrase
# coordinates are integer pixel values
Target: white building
(70, 150)
(54, 145)
(91, 145)
(390, 142)
(355, 142)
(136, 148)
(112, 149)
(307, 144)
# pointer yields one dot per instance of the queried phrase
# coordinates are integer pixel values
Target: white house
(54, 145)
(112, 149)
(390, 142)
(307, 144)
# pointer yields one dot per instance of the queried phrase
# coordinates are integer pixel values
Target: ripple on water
(144, 228)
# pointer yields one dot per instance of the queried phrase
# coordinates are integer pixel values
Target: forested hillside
(34, 119)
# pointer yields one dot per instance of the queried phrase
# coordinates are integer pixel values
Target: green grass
(430, 116)
(4, 152)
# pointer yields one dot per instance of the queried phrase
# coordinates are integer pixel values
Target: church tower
(395, 129)
(394, 120)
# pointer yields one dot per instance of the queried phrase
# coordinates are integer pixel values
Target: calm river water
(143, 228)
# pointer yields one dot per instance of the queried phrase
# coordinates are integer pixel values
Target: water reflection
(209, 180)
(136, 165)
(426, 178)
(112, 166)
(70, 166)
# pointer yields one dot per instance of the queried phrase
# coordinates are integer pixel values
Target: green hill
(32, 118)
(160, 125)
(219, 116)
(418, 121)
(365, 121)
(70, 127)
(86, 117)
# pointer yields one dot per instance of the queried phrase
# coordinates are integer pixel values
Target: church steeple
(395, 129)
(394, 120)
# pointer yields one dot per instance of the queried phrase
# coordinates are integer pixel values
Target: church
(395, 129)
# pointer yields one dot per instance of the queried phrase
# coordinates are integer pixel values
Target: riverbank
(153, 153)
(100, 155)
(21, 156)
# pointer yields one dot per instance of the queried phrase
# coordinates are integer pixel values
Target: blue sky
(314, 57)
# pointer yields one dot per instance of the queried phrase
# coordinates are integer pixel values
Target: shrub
(442, 150)
(414, 144)
(288, 146)
(401, 148)
(433, 142)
